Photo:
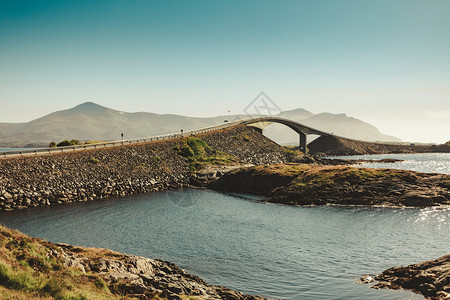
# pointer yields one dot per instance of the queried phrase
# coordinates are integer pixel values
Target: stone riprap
(125, 170)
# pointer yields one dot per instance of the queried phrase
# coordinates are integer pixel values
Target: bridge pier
(260, 130)
(302, 142)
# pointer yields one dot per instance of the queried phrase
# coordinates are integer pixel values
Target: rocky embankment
(126, 170)
(308, 184)
(333, 145)
(430, 278)
(31, 268)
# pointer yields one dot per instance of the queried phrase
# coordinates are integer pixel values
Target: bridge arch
(302, 130)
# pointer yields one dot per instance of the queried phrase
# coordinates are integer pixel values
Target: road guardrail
(52, 150)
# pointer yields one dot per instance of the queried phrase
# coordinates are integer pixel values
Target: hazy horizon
(383, 62)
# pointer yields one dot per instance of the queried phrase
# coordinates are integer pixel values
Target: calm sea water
(273, 250)
(236, 241)
(428, 162)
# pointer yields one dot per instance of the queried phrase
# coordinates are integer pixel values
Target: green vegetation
(68, 143)
(199, 154)
(29, 270)
(244, 137)
(64, 143)
(94, 160)
(292, 153)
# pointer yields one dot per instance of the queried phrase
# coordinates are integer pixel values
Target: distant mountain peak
(89, 107)
(301, 110)
(298, 110)
(296, 114)
(89, 104)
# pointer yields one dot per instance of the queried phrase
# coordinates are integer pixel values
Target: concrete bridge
(259, 123)
(302, 130)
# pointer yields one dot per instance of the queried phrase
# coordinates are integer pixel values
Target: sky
(384, 62)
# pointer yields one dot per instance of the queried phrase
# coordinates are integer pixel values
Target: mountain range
(90, 121)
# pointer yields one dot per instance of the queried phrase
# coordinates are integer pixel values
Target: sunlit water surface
(427, 162)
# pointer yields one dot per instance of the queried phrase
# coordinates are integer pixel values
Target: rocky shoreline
(127, 170)
(234, 160)
(306, 184)
(135, 169)
(141, 277)
(32, 268)
(430, 278)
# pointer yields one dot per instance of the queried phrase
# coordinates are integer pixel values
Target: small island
(311, 184)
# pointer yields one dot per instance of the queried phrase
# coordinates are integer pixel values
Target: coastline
(31, 268)
(237, 160)
(429, 278)
(46, 180)
(302, 184)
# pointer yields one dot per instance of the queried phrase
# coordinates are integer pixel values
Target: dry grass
(307, 174)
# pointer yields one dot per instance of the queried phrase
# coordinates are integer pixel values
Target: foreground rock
(142, 277)
(32, 268)
(430, 278)
(306, 184)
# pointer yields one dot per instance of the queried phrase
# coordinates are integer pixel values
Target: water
(15, 149)
(273, 250)
(427, 162)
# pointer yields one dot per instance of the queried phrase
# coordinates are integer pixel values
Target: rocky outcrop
(430, 278)
(31, 268)
(301, 184)
(209, 175)
(126, 170)
(333, 145)
(141, 277)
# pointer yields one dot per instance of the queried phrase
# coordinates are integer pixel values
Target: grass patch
(156, 159)
(199, 155)
(307, 174)
(94, 160)
(28, 270)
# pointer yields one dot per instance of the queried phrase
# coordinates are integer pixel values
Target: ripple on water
(273, 250)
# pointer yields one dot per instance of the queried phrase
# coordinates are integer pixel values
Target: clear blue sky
(384, 62)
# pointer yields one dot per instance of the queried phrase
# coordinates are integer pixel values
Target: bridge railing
(50, 150)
